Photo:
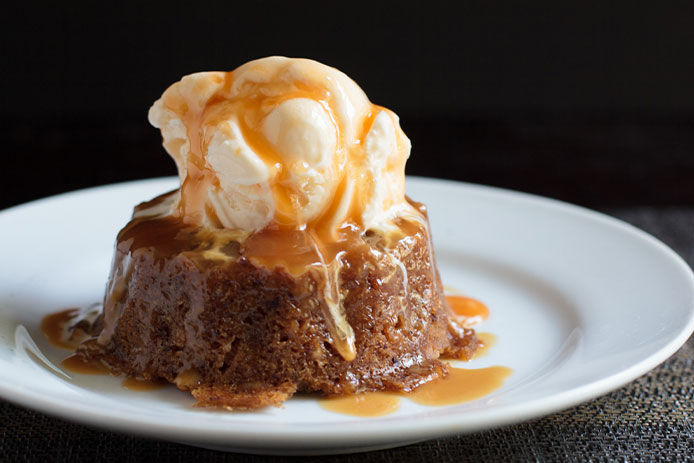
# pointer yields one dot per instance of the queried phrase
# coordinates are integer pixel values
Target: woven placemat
(649, 419)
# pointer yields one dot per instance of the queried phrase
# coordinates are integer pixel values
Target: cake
(289, 260)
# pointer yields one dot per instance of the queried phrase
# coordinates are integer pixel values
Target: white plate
(581, 304)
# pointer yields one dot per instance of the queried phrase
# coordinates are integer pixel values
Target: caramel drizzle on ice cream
(282, 142)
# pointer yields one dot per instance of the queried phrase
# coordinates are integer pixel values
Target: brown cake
(245, 310)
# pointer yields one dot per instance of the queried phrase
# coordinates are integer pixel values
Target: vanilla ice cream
(289, 141)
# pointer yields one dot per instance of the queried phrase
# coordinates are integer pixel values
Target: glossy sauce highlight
(368, 404)
(54, 327)
(486, 342)
(471, 309)
(76, 364)
(461, 385)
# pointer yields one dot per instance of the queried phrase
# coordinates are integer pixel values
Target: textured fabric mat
(649, 419)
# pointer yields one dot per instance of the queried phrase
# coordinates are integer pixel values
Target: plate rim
(322, 435)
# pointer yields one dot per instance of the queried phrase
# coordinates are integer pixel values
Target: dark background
(590, 102)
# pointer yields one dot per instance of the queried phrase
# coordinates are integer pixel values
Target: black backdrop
(591, 102)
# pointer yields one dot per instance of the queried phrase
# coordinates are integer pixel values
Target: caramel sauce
(76, 364)
(368, 404)
(487, 341)
(460, 386)
(288, 200)
(187, 379)
(67, 328)
(471, 309)
(297, 250)
(166, 235)
(134, 384)
(55, 327)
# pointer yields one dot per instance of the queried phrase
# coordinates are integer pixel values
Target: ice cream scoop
(282, 141)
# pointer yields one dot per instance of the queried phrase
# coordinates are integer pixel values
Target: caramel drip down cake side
(202, 308)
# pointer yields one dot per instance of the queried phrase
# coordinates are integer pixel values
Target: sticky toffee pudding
(289, 260)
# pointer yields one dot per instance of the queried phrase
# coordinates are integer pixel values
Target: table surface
(650, 418)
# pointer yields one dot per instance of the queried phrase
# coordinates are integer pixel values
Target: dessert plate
(580, 303)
